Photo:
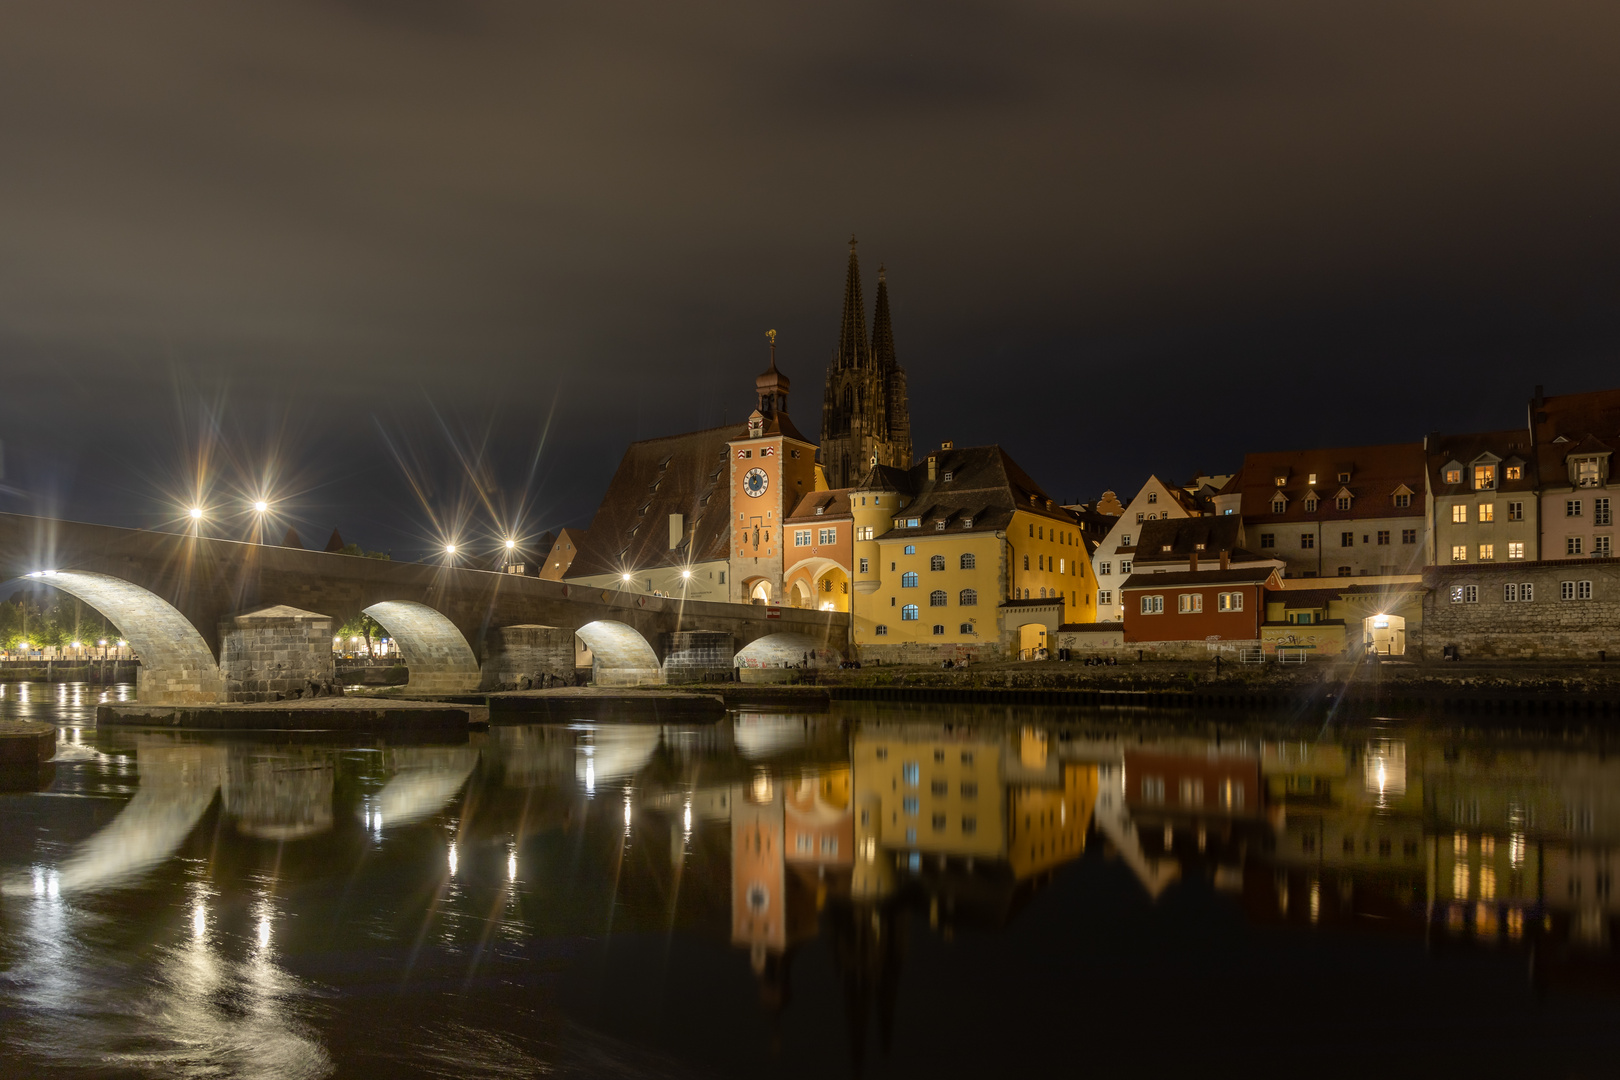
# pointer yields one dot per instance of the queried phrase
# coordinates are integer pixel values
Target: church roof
(679, 474)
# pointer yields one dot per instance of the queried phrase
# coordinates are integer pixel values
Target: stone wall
(922, 653)
(268, 653)
(1087, 641)
(1483, 623)
(512, 652)
(694, 654)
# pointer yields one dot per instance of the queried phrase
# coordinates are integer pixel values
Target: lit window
(1484, 477)
(1487, 512)
(1459, 514)
(1453, 476)
(1459, 553)
(1192, 793)
(1513, 472)
(1188, 603)
(1515, 549)
(1229, 601)
(1487, 552)
(1586, 472)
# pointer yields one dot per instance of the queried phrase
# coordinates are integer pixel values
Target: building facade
(1482, 495)
(1206, 606)
(865, 415)
(1114, 558)
(1575, 436)
(1340, 512)
(820, 553)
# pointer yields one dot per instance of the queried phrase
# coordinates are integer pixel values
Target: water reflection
(597, 897)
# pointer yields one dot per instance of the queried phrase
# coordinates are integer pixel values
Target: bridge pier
(696, 653)
(511, 652)
(267, 653)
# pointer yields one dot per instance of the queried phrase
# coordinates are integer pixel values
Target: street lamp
(196, 513)
(260, 506)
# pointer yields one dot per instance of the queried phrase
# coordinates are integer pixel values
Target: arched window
(968, 561)
(968, 598)
(937, 562)
(908, 580)
(909, 613)
(965, 628)
(1026, 562)
(937, 598)
(1043, 593)
(938, 629)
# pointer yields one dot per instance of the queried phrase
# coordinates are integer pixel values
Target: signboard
(773, 613)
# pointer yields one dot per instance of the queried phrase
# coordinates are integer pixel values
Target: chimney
(932, 463)
(948, 444)
(1226, 559)
(1192, 561)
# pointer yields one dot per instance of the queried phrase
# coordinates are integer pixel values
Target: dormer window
(1513, 472)
(821, 510)
(1281, 480)
(1454, 476)
(1484, 477)
(1278, 506)
(967, 523)
(1310, 505)
(949, 476)
(1344, 478)
(1312, 480)
(1198, 547)
(1165, 548)
(1342, 502)
(1586, 472)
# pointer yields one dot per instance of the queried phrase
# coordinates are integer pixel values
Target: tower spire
(852, 348)
(882, 332)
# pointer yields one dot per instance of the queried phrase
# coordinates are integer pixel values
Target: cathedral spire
(882, 333)
(852, 349)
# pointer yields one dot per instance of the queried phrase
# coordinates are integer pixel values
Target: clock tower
(772, 468)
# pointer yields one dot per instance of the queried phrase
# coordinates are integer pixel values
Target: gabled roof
(679, 474)
(985, 486)
(821, 505)
(1573, 415)
(1462, 452)
(1205, 536)
(1253, 575)
(1375, 474)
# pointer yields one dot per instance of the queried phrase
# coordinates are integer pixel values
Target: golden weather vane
(771, 336)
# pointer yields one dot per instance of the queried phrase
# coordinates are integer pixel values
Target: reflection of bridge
(221, 620)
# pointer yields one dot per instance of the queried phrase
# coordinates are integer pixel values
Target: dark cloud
(1122, 235)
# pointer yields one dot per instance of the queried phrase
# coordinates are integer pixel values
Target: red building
(1200, 784)
(1198, 605)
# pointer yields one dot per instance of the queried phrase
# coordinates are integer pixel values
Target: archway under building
(620, 656)
(1384, 634)
(1032, 639)
(176, 665)
(819, 585)
(435, 652)
(759, 589)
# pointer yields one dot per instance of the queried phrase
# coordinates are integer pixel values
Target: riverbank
(94, 672)
(351, 713)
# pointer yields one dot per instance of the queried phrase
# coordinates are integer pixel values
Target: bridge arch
(435, 651)
(620, 656)
(177, 666)
(788, 650)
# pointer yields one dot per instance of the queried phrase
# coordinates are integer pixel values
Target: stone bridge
(221, 620)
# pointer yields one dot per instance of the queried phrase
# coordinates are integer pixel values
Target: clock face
(755, 483)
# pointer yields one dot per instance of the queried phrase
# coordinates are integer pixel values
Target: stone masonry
(1480, 608)
(694, 654)
(268, 653)
(514, 652)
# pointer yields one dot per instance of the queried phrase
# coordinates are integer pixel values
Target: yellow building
(963, 557)
(917, 790)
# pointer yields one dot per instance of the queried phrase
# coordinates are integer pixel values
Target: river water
(879, 891)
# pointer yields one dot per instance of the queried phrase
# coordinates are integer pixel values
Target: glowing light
(102, 643)
(199, 921)
(454, 862)
(510, 544)
(686, 573)
(627, 811)
(449, 549)
(196, 513)
(75, 645)
(511, 866)
(264, 932)
(122, 643)
(260, 507)
(626, 577)
(686, 818)
(22, 644)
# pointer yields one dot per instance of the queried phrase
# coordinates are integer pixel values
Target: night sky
(429, 266)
